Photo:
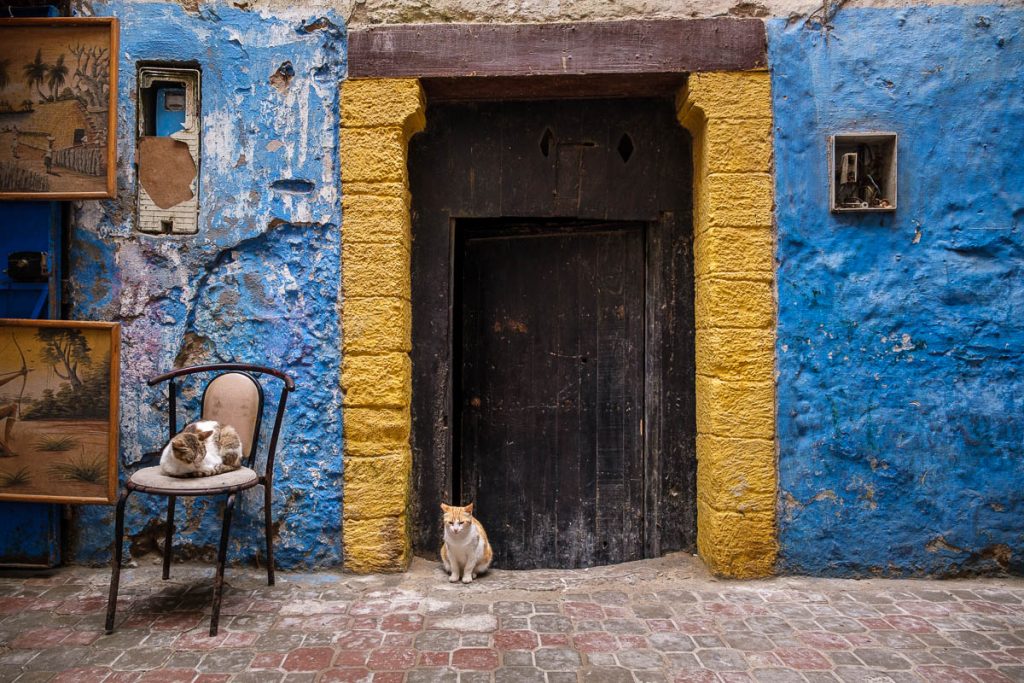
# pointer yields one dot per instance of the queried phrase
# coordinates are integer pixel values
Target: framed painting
(58, 108)
(59, 410)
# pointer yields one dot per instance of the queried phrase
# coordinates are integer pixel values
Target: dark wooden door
(552, 385)
(597, 173)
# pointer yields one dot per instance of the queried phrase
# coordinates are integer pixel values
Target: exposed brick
(802, 658)
(595, 642)
(391, 659)
(475, 658)
(515, 640)
(345, 675)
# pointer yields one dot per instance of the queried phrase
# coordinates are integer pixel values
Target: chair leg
(115, 572)
(268, 525)
(168, 536)
(218, 582)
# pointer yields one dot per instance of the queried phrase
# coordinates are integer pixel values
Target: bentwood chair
(234, 396)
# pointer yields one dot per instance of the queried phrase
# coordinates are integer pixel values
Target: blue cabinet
(30, 533)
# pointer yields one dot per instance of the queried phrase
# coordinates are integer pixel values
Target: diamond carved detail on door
(551, 396)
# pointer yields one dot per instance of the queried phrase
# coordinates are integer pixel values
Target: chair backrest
(236, 399)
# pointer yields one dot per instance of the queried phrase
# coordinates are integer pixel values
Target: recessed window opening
(168, 156)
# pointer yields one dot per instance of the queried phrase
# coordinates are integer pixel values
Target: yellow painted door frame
(729, 116)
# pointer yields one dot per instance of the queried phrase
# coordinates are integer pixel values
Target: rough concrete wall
(900, 391)
(364, 12)
(259, 283)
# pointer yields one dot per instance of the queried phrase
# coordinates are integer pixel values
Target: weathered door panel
(552, 358)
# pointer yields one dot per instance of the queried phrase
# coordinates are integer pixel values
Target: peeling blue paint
(900, 391)
(259, 283)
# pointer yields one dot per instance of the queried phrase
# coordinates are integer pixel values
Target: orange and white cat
(466, 551)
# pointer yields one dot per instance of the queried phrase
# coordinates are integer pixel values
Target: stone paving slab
(663, 620)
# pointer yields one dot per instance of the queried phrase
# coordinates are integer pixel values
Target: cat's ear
(468, 508)
(203, 436)
(445, 508)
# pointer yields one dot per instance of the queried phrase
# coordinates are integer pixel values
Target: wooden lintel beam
(614, 47)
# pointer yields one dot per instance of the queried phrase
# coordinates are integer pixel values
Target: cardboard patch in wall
(166, 170)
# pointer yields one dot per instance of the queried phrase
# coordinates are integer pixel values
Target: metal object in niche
(28, 266)
(863, 173)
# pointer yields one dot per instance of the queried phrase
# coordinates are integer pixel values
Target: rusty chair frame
(265, 479)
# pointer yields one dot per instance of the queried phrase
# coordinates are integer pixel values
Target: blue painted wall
(900, 390)
(259, 283)
(899, 394)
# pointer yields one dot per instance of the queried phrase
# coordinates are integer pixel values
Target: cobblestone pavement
(657, 620)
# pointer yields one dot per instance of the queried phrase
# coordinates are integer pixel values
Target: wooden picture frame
(58, 108)
(59, 417)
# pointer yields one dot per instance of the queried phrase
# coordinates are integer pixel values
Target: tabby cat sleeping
(466, 551)
(202, 449)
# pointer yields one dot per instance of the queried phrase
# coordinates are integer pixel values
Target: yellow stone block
(738, 146)
(737, 200)
(736, 545)
(378, 380)
(690, 116)
(382, 102)
(375, 218)
(730, 95)
(736, 474)
(734, 303)
(736, 354)
(376, 487)
(372, 269)
(376, 545)
(735, 409)
(375, 188)
(375, 449)
(386, 427)
(730, 251)
(376, 324)
(373, 154)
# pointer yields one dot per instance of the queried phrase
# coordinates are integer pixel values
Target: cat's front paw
(468, 578)
(454, 578)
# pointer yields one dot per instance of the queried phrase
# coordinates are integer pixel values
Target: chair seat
(153, 480)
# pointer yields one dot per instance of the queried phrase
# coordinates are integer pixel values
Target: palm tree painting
(35, 72)
(58, 409)
(56, 76)
(58, 86)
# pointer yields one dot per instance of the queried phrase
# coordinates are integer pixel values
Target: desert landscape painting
(58, 80)
(58, 411)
